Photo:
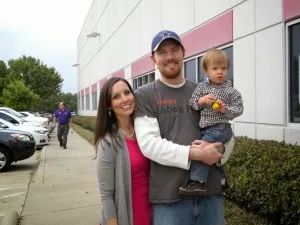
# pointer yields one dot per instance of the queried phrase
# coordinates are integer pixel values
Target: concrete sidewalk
(64, 189)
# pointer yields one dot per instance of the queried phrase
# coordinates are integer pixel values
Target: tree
(3, 74)
(70, 100)
(3, 69)
(41, 79)
(17, 96)
(53, 101)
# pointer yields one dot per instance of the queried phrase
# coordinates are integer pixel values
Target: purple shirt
(63, 116)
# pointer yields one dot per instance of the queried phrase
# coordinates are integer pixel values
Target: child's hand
(222, 108)
(207, 99)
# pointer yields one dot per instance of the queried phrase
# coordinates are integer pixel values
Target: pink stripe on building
(291, 9)
(94, 87)
(81, 92)
(87, 90)
(142, 65)
(212, 34)
(120, 73)
(102, 82)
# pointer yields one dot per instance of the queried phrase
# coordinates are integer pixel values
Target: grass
(86, 134)
(233, 214)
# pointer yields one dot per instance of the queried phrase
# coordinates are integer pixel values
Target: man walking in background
(64, 117)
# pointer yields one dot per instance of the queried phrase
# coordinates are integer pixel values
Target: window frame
(82, 102)
(136, 80)
(201, 55)
(94, 100)
(287, 72)
(88, 101)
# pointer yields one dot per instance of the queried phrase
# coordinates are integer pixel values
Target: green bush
(87, 122)
(264, 177)
(234, 215)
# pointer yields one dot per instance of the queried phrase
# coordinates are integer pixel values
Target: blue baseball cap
(164, 35)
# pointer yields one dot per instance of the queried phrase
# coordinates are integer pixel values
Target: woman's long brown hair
(106, 124)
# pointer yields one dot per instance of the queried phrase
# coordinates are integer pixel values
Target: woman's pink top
(140, 170)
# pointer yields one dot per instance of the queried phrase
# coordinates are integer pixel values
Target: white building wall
(270, 85)
(243, 14)
(244, 76)
(178, 15)
(265, 15)
(206, 10)
(151, 17)
(126, 29)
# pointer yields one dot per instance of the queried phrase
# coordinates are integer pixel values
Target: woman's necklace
(128, 135)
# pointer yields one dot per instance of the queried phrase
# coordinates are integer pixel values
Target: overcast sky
(44, 29)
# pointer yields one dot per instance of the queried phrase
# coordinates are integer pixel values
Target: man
(64, 117)
(166, 127)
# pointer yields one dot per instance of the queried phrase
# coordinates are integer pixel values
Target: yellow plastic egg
(216, 105)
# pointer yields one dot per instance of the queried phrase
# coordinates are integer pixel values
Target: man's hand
(208, 155)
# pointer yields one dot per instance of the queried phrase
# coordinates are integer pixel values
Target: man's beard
(171, 75)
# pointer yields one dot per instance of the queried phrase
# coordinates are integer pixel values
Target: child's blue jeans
(216, 133)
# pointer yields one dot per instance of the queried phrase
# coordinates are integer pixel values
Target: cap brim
(167, 38)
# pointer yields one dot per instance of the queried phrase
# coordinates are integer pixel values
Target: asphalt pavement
(62, 190)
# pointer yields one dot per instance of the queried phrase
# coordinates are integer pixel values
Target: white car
(39, 134)
(44, 122)
(24, 113)
(16, 120)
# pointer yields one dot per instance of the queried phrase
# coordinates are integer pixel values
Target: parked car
(49, 116)
(39, 134)
(15, 146)
(25, 114)
(18, 121)
(44, 122)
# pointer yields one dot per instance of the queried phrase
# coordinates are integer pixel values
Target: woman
(123, 172)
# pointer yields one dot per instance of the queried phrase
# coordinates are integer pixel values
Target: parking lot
(54, 186)
(14, 184)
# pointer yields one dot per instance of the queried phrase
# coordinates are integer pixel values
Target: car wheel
(5, 159)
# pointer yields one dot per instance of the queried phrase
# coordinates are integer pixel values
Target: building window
(229, 52)
(142, 80)
(190, 69)
(82, 102)
(94, 100)
(87, 102)
(294, 72)
(193, 68)
(201, 74)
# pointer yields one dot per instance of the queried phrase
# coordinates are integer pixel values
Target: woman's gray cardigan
(114, 176)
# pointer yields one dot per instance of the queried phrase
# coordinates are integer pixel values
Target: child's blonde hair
(216, 57)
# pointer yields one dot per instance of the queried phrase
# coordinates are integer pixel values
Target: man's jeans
(190, 211)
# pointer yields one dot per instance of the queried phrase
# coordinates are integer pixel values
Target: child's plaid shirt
(225, 92)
